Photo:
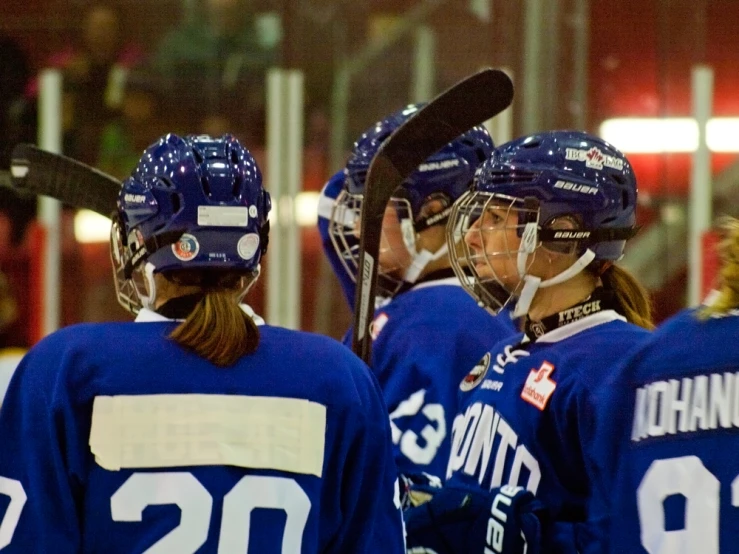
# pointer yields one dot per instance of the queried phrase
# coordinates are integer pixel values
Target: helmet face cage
(344, 231)
(484, 258)
(119, 257)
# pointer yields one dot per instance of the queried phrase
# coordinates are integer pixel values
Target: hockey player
(670, 426)
(197, 428)
(547, 217)
(429, 332)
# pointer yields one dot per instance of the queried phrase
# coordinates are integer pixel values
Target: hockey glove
(464, 519)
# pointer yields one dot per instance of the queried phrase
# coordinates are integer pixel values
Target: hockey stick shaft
(468, 103)
(72, 182)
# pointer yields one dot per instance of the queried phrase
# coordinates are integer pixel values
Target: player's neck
(556, 298)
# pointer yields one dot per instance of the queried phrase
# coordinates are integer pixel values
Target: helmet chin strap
(419, 260)
(533, 283)
(247, 288)
(148, 301)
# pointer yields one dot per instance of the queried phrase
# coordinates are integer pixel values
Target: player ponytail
(630, 294)
(217, 329)
(727, 297)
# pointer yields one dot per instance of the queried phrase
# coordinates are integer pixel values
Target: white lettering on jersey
(509, 356)
(699, 403)
(432, 434)
(481, 436)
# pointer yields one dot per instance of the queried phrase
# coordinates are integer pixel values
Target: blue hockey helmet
(443, 177)
(548, 177)
(449, 171)
(191, 203)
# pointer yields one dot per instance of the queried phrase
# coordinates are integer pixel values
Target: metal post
(422, 86)
(49, 210)
(275, 183)
(699, 215)
(580, 43)
(284, 181)
(294, 175)
(531, 106)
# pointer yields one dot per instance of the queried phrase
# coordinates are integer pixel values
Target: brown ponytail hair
(630, 295)
(728, 293)
(217, 329)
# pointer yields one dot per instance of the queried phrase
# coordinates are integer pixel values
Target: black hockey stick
(40, 172)
(468, 103)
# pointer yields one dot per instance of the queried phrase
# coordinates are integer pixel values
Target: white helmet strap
(532, 283)
(419, 260)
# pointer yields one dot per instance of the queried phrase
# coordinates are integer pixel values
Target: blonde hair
(217, 329)
(631, 295)
(728, 292)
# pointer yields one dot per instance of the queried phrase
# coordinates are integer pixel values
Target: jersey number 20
(183, 489)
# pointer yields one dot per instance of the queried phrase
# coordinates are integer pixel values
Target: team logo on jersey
(539, 387)
(594, 158)
(474, 377)
(377, 325)
(186, 248)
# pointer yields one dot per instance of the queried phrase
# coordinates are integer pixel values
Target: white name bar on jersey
(699, 403)
(173, 430)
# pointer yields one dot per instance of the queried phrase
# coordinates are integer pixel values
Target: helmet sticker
(476, 375)
(594, 158)
(248, 245)
(252, 211)
(222, 216)
(186, 248)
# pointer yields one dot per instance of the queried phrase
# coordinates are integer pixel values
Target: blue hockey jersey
(526, 417)
(669, 471)
(117, 440)
(425, 341)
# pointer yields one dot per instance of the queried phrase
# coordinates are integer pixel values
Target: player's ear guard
(462, 518)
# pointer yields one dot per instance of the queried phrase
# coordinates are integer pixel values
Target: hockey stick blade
(466, 104)
(72, 182)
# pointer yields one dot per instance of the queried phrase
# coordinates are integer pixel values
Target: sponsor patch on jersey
(476, 375)
(186, 248)
(377, 325)
(539, 387)
(247, 246)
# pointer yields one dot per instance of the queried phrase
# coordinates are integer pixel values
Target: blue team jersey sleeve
(41, 469)
(330, 192)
